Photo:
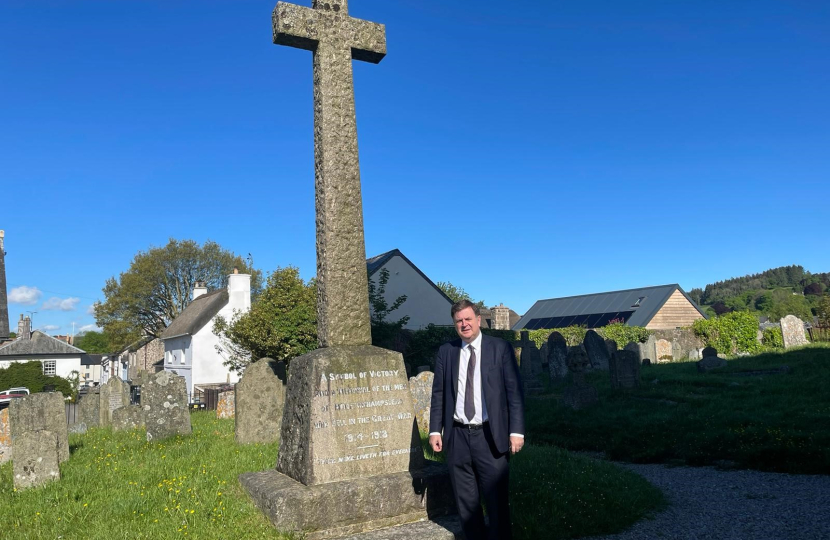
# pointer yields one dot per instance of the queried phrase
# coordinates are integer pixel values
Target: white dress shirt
(463, 366)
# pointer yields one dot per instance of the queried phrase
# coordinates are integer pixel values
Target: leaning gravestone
(557, 356)
(165, 405)
(5, 436)
(625, 369)
(225, 407)
(579, 394)
(89, 408)
(36, 459)
(259, 401)
(611, 345)
(44, 411)
(636, 348)
(597, 350)
(792, 331)
(127, 417)
(663, 351)
(420, 386)
(113, 395)
(350, 457)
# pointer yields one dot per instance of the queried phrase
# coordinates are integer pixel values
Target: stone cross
(335, 38)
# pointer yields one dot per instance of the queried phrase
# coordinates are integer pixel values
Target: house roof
(38, 344)
(197, 314)
(92, 359)
(373, 264)
(137, 344)
(636, 306)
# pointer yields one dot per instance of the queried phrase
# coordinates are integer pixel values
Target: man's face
(467, 324)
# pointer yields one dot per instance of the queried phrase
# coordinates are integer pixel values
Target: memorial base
(348, 507)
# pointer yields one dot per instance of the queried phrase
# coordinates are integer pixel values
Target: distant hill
(774, 293)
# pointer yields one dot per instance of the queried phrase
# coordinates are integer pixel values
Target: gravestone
(420, 386)
(663, 351)
(165, 405)
(597, 351)
(611, 345)
(36, 459)
(636, 348)
(709, 351)
(625, 369)
(649, 349)
(5, 436)
(226, 408)
(579, 394)
(792, 331)
(543, 353)
(709, 363)
(259, 402)
(529, 366)
(44, 411)
(557, 356)
(112, 395)
(127, 417)
(89, 408)
(350, 457)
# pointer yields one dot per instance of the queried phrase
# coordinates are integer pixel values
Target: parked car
(7, 395)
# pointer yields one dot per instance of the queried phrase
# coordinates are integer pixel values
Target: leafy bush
(574, 335)
(424, 345)
(623, 334)
(772, 338)
(30, 375)
(731, 333)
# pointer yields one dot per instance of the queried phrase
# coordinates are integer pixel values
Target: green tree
(158, 286)
(93, 342)
(823, 311)
(787, 303)
(384, 332)
(281, 324)
(456, 293)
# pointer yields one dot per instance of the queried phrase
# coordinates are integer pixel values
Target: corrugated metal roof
(636, 306)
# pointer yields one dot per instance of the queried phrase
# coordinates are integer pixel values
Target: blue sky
(520, 150)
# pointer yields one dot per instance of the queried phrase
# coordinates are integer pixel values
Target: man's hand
(436, 443)
(516, 444)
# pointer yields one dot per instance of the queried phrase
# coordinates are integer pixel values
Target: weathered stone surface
(36, 459)
(709, 363)
(226, 407)
(650, 349)
(530, 364)
(259, 402)
(440, 528)
(557, 356)
(579, 394)
(89, 409)
(709, 351)
(543, 352)
(335, 39)
(597, 350)
(420, 386)
(663, 351)
(611, 345)
(78, 427)
(127, 417)
(44, 411)
(792, 330)
(165, 404)
(113, 395)
(336, 509)
(683, 341)
(5, 436)
(625, 369)
(348, 414)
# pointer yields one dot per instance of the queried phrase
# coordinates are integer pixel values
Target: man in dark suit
(477, 417)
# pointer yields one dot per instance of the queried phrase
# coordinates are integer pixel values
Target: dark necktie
(469, 390)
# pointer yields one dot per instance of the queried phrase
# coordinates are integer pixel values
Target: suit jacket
(501, 388)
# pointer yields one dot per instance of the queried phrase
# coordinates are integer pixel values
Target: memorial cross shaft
(335, 39)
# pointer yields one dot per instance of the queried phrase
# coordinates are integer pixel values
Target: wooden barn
(656, 308)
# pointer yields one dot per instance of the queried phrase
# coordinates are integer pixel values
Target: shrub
(574, 335)
(772, 338)
(623, 334)
(423, 344)
(731, 333)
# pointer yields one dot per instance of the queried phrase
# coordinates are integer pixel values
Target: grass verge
(767, 422)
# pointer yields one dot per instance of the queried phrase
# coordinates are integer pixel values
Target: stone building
(499, 317)
(57, 357)
(656, 308)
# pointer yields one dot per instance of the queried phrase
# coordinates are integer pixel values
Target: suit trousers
(478, 470)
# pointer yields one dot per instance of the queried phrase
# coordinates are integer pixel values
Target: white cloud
(61, 304)
(90, 310)
(27, 296)
(88, 328)
(50, 327)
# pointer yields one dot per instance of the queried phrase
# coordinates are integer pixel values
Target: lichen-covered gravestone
(89, 408)
(597, 351)
(557, 356)
(625, 369)
(127, 417)
(259, 401)
(113, 395)
(5, 436)
(165, 404)
(44, 411)
(36, 460)
(663, 351)
(420, 386)
(579, 394)
(225, 407)
(792, 331)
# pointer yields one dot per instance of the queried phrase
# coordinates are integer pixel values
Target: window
(49, 368)
(169, 357)
(183, 355)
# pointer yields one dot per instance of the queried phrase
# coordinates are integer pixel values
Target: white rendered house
(190, 346)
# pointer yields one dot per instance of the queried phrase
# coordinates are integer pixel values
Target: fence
(819, 333)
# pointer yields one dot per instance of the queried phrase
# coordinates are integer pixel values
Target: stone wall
(684, 342)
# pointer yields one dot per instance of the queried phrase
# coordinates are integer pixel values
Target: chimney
(239, 290)
(24, 327)
(4, 300)
(199, 290)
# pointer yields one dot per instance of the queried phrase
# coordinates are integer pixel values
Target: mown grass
(116, 485)
(770, 422)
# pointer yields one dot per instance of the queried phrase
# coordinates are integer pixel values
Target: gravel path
(707, 503)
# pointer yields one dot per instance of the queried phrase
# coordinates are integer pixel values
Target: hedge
(30, 375)
(730, 333)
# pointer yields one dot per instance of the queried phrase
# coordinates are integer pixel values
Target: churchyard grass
(769, 422)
